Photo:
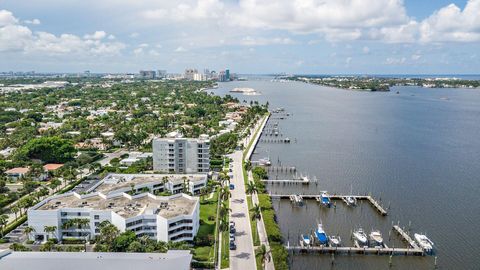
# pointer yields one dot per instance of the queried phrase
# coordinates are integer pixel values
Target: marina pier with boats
(318, 241)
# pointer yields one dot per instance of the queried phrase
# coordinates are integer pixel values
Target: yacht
(325, 199)
(425, 243)
(264, 162)
(376, 238)
(335, 241)
(360, 236)
(351, 200)
(321, 235)
(306, 239)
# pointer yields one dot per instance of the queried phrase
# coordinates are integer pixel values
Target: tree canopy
(48, 149)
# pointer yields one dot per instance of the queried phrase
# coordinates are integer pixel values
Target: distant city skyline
(246, 36)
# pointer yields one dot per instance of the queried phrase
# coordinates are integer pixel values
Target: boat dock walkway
(356, 250)
(281, 169)
(406, 237)
(368, 198)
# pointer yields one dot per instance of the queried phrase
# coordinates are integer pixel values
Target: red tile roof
(52, 166)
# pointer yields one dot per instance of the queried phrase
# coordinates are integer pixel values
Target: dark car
(233, 246)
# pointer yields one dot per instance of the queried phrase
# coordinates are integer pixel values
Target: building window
(96, 217)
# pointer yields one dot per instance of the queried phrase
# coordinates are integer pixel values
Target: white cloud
(16, 37)
(154, 52)
(180, 49)
(134, 35)
(416, 56)
(97, 35)
(366, 50)
(34, 21)
(7, 18)
(187, 11)
(260, 41)
(138, 51)
(450, 23)
(395, 61)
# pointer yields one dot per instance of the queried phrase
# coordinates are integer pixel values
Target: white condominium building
(173, 218)
(153, 183)
(175, 154)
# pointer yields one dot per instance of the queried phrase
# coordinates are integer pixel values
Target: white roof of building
(173, 259)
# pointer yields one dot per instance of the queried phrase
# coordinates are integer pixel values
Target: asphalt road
(243, 257)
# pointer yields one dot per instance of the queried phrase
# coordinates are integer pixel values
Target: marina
(378, 162)
(368, 198)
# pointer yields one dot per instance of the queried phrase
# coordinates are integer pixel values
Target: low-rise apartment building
(172, 218)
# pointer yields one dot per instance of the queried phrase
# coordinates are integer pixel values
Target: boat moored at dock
(423, 241)
(376, 238)
(325, 199)
(306, 239)
(360, 237)
(335, 241)
(321, 235)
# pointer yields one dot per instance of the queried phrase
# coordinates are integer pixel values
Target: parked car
(233, 246)
(232, 186)
(232, 229)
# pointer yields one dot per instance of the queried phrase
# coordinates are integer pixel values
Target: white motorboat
(306, 239)
(264, 162)
(376, 238)
(360, 236)
(351, 200)
(425, 243)
(335, 241)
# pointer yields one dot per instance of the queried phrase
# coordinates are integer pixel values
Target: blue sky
(248, 36)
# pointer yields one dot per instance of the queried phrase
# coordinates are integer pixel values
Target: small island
(383, 84)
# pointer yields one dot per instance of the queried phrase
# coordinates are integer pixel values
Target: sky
(246, 36)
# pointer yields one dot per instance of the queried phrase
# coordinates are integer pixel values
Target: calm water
(419, 151)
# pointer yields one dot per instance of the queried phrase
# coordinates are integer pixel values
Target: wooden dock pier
(281, 169)
(406, 237)
(368, 198)
(355, 250)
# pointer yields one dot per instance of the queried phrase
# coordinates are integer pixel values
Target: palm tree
(225, 193)
(185, 185)
(256, 212)
(3, 223)
(251, 188)
(264, 254)
(223, 214)
(50, 230)
(28, 230)
(15, 210)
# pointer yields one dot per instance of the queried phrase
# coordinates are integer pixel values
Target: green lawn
(253, 223)
(208, 214)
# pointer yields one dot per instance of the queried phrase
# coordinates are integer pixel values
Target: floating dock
(412, 250)
(356, 250)
(370, 199)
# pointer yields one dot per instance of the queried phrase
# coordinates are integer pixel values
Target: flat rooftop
(115, 181)
(125, 205)
(173, 259)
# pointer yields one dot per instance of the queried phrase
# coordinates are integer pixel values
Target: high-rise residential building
(222, 77)
(227, 75)
(190, 73)
(176, 154)
(147, 74)
(161, 74)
